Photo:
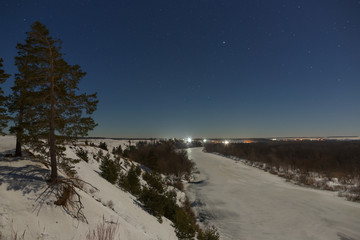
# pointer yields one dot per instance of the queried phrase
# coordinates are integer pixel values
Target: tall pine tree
(21, 98)
(54, 109)
(3, 115)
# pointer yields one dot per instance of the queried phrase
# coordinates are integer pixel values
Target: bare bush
(351, 194)
(67, 196)
(105, 230)
(92, 191)
(179, 185)
(110, 204)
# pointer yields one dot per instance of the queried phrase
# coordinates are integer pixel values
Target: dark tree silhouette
(54, 109)
(3, 115)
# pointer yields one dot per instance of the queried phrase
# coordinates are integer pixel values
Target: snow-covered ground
(244, 202)
(24, 207)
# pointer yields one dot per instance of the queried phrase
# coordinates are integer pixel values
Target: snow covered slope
(244, 202)
(25, 207)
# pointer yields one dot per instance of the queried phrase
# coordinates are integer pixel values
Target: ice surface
(244, 202)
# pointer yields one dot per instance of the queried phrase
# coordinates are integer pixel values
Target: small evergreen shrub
(157, 204)
(184, 224)
(117, 150)
(154, 180)
(103, 146)
(82, 154)
(99, 156)
(153, 202)
(138, 171)
(210, 233)
(130, 182)
(109, 169)
(170, 205)
(66, 164)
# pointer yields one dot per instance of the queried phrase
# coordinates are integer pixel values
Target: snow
(347, 186)
(23, 207)
(244, 202)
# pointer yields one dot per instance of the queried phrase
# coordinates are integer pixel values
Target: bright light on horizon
(204, 140)
(226, 142)
(189, 140)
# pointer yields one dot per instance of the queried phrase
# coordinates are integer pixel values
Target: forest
(331, 158)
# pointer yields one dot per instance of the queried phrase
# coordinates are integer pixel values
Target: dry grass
(110, 204)
(14, 234)
(104, 231)
(92, 191)
(67, 193)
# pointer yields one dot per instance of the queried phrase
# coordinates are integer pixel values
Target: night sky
(215, 68)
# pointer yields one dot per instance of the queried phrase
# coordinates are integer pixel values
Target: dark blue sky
(215, 68)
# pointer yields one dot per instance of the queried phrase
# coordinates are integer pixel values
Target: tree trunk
(19, 134)
(52, 147)
(52, 136)
(18, 148)
(53, 163)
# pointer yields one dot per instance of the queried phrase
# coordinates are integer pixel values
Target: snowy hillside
(27, 205)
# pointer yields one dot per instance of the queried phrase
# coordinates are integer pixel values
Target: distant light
(204, 140)
(189, 140)
(226, 142)
(274, 139)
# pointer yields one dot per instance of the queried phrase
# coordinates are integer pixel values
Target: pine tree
(55, 111)
(117, 150)
(184, 225)
(21, 98)
(109, 169)
(3, 116)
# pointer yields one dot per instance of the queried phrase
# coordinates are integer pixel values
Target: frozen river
(247, 203)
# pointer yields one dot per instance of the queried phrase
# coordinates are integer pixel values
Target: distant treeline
(333, 158)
